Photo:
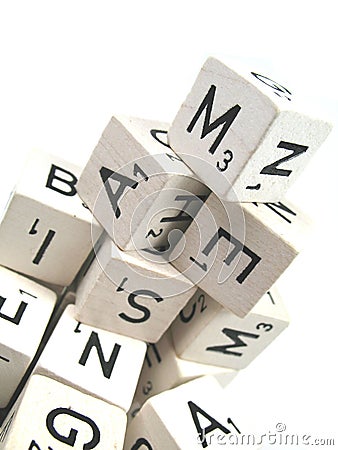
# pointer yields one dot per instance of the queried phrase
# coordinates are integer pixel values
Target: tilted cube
(206, 332)
(243, 133)
(236, 251)
(46, 232)
(198, 414)
(125, 293)
(52, 415)
(103, 364)
(136, 186)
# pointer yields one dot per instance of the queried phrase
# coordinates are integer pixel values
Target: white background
(67, 66)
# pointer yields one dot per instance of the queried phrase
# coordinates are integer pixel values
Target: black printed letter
(70, 190)
(237, 342)
(107, 366)
(18, 315)
(226, 119)
(144, 309)
(214, 424)
(71, 438)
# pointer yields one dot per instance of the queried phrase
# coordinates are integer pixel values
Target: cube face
(206, 332)
(105, 365)
(53, 415)
(240, 135)
(135, 185)
(287, 146)
(25, 309)
(236, 259)
(140, 299)
(188, 416)
(47, 223)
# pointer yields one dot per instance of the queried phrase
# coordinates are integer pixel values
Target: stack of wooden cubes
(190, 231)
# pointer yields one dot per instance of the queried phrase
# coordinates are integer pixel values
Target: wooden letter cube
(51, 415)
(242, 134)
(25, 309)
(46, 231)
(103, 364)
(206, 332)
(235, 252)
(198, 414)
(127, 294)
(136, 186)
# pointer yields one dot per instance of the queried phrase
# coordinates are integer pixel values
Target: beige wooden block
(25, 310)
(124, 293)
(206, 332)
(51, 415)
(244, 134)
(103, 364)
(47, 222)
(235, 252)
(198, 414)
(163, 369)
(136, 187)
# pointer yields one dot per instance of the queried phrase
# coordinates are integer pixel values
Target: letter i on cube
(46, 232)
